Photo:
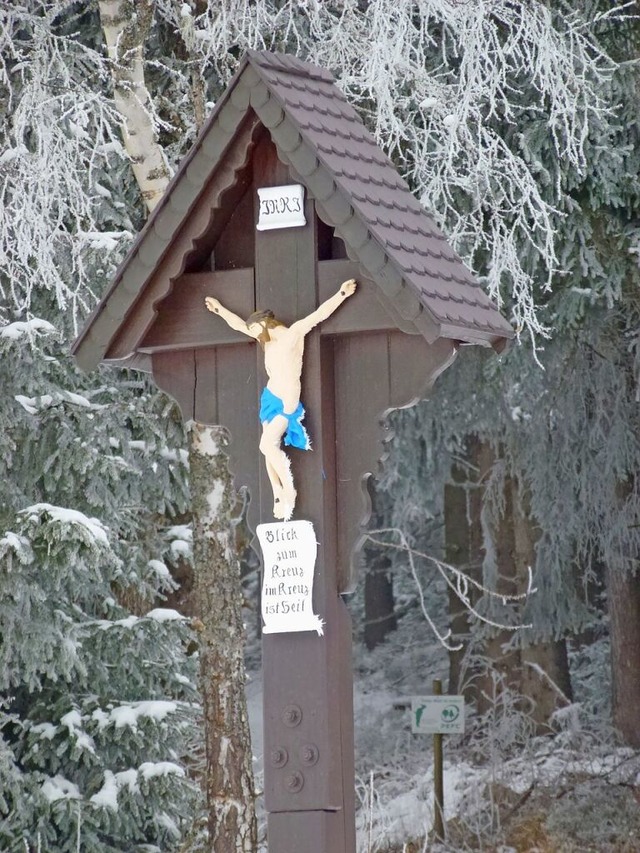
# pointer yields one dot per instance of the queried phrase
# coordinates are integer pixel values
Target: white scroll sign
(289, 551)
(281, 207)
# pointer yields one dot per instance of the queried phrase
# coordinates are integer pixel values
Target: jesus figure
(281, 411)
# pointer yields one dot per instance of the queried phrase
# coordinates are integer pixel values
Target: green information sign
(437, 715)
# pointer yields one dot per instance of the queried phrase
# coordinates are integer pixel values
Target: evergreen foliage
(98, 709)
(563, 420)
(98, 693)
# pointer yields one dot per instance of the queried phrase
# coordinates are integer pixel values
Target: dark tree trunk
(218, 599)
(538, 671)
(456, 531)
(545, 677)
(379, 604)
(463, 549)
(623, 594)
(624, 620)
(504, 662)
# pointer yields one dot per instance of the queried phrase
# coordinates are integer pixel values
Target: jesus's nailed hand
(212, 304)
(348, 288)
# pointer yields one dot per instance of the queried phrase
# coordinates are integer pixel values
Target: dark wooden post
(438, 775)
(308, 713)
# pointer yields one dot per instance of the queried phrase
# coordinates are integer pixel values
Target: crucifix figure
(281, 411)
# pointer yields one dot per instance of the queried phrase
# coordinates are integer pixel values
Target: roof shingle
(358, 192)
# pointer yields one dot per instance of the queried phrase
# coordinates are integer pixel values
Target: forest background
(516, 124)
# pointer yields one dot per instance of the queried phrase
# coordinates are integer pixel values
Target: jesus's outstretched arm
(347, 289)
(231, 319)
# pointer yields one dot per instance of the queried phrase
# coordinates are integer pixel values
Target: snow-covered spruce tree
(618, 546)
(97, 696)
(566, 434)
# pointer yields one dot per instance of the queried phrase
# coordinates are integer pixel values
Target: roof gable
(358, 192)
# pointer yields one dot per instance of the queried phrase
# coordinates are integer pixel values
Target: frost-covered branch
(457, 581)
(487, 108)
(58, 157)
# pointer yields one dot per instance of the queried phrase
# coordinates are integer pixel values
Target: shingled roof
(358, 192)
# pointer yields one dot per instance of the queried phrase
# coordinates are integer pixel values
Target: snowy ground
(567, 794)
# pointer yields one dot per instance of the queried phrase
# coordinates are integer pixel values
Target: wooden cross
(283, 122)
(357, 366)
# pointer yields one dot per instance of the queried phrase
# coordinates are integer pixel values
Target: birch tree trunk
(218, 601)
(125, 24)
(228, 782)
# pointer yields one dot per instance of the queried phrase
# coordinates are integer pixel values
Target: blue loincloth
(296, 434)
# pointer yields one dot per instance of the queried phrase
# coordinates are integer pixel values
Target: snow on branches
(484, 106)
(58, 141)
(488, 108)
(460, 583)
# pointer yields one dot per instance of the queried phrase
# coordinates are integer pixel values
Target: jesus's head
(265, 320)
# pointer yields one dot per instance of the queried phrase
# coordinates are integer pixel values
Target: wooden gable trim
(155, 244)
(143, 313)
